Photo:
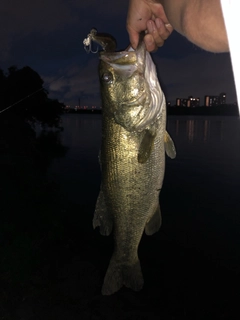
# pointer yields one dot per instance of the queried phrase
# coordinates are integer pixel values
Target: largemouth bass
(132, 159)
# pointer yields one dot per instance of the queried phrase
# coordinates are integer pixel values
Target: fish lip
(136, 102)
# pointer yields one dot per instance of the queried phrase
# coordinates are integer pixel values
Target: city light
(210, 101)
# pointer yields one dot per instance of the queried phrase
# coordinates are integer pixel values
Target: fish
(132, 159)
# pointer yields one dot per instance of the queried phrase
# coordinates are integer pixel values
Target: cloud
(77, 81)
(56, 85)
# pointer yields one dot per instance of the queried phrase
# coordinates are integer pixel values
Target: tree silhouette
(23, 90)
(24, 102)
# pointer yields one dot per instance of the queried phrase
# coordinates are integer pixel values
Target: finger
(164, 29)
(169, 27)
(133, 37)
(150, 43)
(154, 32)
(159, 30)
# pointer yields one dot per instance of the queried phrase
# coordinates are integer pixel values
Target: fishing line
(29, 95)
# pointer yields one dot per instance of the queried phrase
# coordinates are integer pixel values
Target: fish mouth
(136, 102)
(128, 58)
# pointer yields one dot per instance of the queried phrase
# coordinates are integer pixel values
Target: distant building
(194, 102)
(181, 102)
(222, 98)
(184, 102)
(178, 102)
(190, 102)
(207, 101)
(211, 101)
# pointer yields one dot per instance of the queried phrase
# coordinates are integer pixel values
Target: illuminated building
(189, 102)
(215, 100)
(193, 102)
(207, 101)
(222, 98)
(181, 102)
(184, 102)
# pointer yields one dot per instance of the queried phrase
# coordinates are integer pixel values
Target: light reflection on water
(204, 129)
(207, 138)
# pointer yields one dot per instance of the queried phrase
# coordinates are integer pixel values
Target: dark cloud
(74, 82)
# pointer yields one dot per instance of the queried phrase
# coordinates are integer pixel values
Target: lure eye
(107, 77)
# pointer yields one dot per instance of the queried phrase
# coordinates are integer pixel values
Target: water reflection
(204, 129)
(190, 130)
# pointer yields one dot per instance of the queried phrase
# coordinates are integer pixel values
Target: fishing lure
(105, 40)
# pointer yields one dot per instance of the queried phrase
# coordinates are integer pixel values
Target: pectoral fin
(146, 146)
(154, 222)
(169, 146)
(102, 218)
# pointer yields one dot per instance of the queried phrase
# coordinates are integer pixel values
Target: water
(191, 267)
(78, 172)
(200, 199)
(53, 262)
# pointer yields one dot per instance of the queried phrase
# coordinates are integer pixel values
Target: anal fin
(102, 218)
(154, 223)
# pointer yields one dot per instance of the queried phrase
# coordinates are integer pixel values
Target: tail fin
(119, 274)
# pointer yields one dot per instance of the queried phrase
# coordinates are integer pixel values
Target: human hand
(148, 16)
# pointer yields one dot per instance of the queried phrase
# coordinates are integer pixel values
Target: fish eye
(107, 77)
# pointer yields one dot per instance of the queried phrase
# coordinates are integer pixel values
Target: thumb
(133, 37)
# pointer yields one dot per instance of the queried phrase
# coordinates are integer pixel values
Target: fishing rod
(28, 96)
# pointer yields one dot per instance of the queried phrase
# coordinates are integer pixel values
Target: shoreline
(221, 110)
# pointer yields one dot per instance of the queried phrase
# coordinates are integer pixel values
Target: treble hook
(88, 42)
(106, 41)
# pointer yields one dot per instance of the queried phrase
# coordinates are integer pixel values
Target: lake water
(191, 267)
(200, 199)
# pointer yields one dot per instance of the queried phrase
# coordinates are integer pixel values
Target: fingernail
(150, 26)
(158, 22)
(168, 25)
(149, 42)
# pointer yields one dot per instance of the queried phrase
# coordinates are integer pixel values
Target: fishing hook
(105, 40)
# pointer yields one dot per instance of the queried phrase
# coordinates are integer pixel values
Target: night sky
(48, 35)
